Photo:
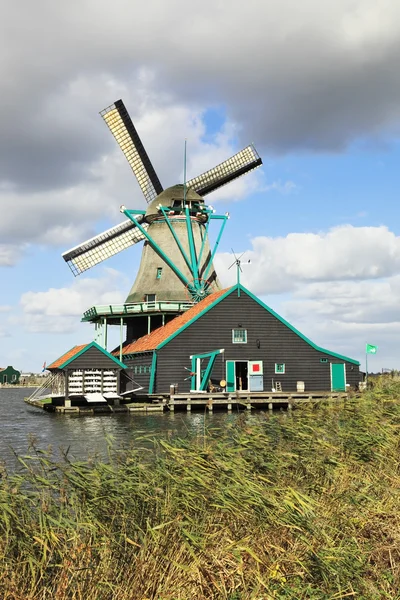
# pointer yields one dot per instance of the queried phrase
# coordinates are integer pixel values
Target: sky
(314, 85)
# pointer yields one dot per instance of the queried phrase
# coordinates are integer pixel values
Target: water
(87, 435)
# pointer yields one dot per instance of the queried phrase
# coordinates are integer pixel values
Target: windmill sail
(120, 124)
(244, 161)
(103, 246)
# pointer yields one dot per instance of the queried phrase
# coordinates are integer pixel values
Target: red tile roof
(152, 340)
(67, 356)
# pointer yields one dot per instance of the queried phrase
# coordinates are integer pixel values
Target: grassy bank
(293, 507)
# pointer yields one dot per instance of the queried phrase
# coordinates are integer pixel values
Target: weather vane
(239, 269)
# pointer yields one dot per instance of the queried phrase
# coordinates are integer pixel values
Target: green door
(338, 377)
(230, 376)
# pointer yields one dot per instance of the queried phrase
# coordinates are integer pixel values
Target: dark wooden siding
(93, 358)
(268, 339)
(142, 379)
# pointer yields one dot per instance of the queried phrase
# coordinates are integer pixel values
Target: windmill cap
(168, 197)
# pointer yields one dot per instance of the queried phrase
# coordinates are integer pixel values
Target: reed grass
(294, 507)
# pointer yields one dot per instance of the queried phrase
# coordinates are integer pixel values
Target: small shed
(9, 375)
(232, 339)
(86, 373)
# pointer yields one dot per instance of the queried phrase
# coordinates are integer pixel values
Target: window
(13, 378)
(150, 298)
(239, 336)
(141, 369)
(279, 368)
(159, 272)
(323, 360)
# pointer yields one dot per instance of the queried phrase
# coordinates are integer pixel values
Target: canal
(22, 425)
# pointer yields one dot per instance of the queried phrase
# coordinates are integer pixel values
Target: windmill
(177, 260)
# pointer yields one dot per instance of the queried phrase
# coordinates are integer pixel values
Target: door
(256, 379)
(230, 376)
(256, 383)
(338, 377)
(241, 375)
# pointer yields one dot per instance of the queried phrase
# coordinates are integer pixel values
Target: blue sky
(320, 219)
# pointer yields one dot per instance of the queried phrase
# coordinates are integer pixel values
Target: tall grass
(295, 507)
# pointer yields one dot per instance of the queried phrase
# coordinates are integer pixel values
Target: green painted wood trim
(203, 243)
(92, 345)
(212, 356)
(206, 376)
(272, 312)
(192, 248)
(205, 274)
(230, 376)
(296, 331)
(193, 377)
(167, 220)
(338, 377)
(157, 248)
(153, 373)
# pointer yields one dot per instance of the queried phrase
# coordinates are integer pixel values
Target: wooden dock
(199, 401)
(249, 400)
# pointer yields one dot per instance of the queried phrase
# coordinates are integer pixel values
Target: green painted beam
(192, 247)
(206, 272)
(178, 243)
(153, 372)
(157, 249)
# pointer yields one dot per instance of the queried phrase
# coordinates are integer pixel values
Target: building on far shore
(9, 375)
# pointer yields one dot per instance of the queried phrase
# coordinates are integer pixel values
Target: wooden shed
(233, 340)
(86, 373)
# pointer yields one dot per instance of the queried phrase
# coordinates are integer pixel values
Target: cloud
(58, 310)
(295, 76)
(341, 288)
(64, 217)
(10, 254)
(343, 253)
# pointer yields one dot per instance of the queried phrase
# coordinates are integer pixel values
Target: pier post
(270, 406)
(229, 406)
(67, 402)
(290, 406)
(188, 407)
(248, 406)
(171, 406)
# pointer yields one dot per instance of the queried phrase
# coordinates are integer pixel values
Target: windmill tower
(176, 268)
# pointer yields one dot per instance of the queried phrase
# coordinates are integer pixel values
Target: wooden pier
(248, 400)
(199, 401)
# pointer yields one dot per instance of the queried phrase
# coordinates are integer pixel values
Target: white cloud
(10, 254)
(67, 216)
(58, 310)
(344, 286)
(343, 253)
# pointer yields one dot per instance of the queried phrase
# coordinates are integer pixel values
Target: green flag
(371, 349)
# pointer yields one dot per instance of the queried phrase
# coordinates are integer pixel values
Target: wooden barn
(86, 374)
(231, 341)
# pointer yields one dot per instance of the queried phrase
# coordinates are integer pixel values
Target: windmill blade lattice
(103, 246)
(120, 124)
(237, 165)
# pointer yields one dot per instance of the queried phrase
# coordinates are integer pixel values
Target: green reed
(302, 506)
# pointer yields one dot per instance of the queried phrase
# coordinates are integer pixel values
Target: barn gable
(277, 350)
(86, 356)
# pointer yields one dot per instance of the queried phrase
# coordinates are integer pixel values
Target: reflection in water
(90, 435)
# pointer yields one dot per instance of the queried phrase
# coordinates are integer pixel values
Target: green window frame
(239, 336)
(323, 360)
(279, 368)
(159, 273)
